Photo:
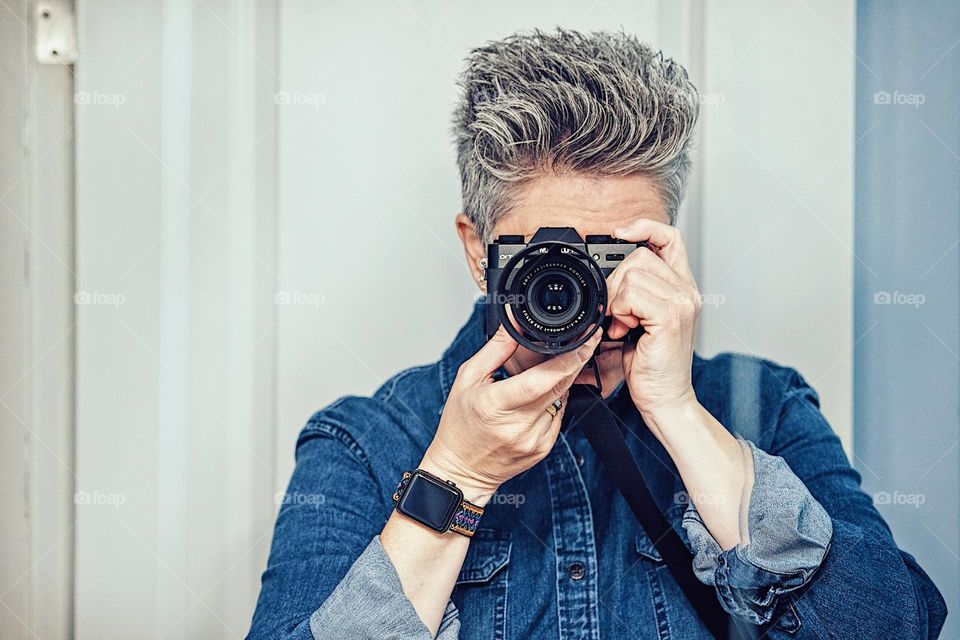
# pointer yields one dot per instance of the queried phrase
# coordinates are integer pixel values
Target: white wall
(175, 360)
(777, 199)
(201, 202)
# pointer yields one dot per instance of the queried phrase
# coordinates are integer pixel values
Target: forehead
(588, 203)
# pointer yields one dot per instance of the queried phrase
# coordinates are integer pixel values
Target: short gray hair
(600, 104)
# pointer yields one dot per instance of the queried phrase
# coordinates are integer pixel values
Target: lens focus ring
(556, 294)
(553, 296)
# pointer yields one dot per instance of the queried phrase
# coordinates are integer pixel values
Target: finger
(557, 419)
(491, 356)
(546, 381)
(627, 354)
(541, 419)
(542, 433)
(644, 259)
(538, 386)
(543, 423)
(634, 306)
(548, 404)
(551, 428)
(640, 278)
(561, 390)
(664, 237)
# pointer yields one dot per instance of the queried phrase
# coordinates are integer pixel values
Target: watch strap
(465, 519)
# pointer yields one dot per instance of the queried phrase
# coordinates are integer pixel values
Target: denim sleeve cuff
(785, 535)
(369, 603)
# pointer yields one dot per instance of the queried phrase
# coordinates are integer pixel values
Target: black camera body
(553, 287)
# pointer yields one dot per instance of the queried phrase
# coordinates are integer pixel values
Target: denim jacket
(559, 554)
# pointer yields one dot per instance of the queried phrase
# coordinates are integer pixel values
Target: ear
(473, 249)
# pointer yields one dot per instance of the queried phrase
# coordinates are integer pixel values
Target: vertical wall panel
(119, 200)
(14, 332)
(908, 279)
(777, 161)
(176, 263)
(50, 274)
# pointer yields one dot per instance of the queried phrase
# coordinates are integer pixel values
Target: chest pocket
(481, 590)
(646, 549)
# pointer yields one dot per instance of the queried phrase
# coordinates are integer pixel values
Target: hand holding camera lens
(491, 431)
(655, 289)
(560, 294)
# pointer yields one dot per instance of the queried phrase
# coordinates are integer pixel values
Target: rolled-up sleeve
(785, 535)
(369, 603)
(328, 575)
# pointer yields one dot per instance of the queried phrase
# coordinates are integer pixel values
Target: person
(590, 131)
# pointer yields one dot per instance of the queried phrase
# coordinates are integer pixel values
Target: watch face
(430, 501)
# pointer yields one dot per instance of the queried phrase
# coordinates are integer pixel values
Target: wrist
(667, 419)
(475, 491)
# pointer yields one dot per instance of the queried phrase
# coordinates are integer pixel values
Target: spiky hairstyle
(599, 104)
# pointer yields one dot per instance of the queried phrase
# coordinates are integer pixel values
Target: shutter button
(577, 571)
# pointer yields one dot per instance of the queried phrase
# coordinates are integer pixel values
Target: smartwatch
(435, 503)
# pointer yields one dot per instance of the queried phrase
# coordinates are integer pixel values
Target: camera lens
(554, 293)
(550, 294)
(554, 297)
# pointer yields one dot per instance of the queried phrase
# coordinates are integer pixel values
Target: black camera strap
(587, 410)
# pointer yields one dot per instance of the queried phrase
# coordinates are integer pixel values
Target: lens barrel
(556, 294)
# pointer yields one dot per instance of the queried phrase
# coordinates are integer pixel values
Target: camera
(550, 294)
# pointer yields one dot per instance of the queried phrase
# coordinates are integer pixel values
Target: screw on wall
(55, 32)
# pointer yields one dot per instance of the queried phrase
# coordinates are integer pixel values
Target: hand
(654, 287)
(491, 431)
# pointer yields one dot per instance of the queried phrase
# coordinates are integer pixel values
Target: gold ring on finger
(555, 407)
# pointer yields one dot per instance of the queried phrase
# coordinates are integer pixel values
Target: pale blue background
(906, 382)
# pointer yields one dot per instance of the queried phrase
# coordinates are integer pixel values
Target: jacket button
(579, 459)
(577, 571)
